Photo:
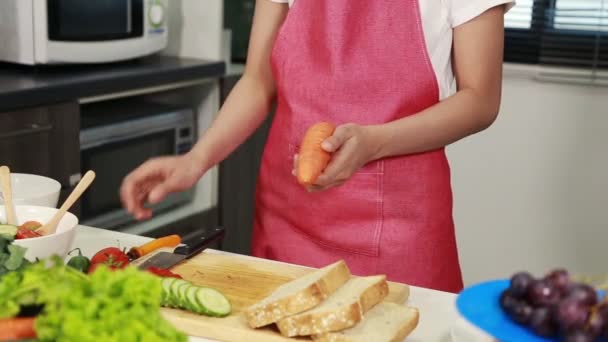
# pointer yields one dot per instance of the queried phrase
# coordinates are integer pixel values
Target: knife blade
(191, 247)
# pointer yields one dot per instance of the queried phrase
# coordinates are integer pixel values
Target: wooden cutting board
(245, 281)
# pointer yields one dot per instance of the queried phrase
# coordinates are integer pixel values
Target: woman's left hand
(352, 146)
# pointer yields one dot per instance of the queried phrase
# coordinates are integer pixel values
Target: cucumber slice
(181, 293)
(166, 291)
(8, 231)
(191, 302)
(213, 302)
(173, 294)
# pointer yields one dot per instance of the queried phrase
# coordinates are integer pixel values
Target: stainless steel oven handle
(33, 129)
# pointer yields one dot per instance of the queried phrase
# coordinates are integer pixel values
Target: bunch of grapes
(556, 306)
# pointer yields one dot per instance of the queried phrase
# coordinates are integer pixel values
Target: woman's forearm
(465, 113)
(246, 107)
(477, 62)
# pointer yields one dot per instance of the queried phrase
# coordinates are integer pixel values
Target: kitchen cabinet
(238, 177)
(44, 141)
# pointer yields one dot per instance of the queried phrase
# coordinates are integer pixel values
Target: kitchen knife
(191, 247)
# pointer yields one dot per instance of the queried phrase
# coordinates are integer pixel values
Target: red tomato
(24, 233)
(112, 257)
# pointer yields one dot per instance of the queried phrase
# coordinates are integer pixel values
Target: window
(520, 16)
(559, 33)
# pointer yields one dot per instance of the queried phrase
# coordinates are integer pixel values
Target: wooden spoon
(51, 226)
(7, 194)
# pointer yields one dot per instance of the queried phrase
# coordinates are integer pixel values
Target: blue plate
(479, 304)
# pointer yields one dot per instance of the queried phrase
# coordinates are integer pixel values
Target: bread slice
(385, 322)
(341, 310)
(298, 295)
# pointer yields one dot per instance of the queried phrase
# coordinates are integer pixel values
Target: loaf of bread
(298, 295)
(341, 310)
(385, 322)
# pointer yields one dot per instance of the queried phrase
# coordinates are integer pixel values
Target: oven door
(99, 20)
(113, 151)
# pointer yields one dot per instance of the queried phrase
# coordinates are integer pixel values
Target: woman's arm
(477, 63)
(244, 110)
(248, 104)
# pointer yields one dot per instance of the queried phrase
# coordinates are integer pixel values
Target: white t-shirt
(439, 18)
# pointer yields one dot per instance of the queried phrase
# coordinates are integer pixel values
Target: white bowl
(45, 246)
(34, 190)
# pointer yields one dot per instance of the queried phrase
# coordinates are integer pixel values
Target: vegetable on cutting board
(312, 158)
(181, 294)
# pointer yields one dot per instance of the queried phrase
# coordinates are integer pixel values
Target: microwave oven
(80, 31)
(117, 137)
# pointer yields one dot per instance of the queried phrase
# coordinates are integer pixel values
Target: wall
(531, 192)
(195, 28)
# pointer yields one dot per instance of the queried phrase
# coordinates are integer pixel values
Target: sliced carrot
(312, 158)
(17, 328)
(167, 241)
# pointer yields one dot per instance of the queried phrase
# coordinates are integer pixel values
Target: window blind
(569, 37)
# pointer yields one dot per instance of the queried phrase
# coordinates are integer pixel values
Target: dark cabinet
(43, 141)
(238, 176)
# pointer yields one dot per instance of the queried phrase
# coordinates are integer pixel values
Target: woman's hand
(352, 146)
(155, 179)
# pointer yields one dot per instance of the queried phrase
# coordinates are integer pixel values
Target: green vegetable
(8, 231)
(119, 305)
(15, 259)
(181, 294)
(79, 262)
(11, 256)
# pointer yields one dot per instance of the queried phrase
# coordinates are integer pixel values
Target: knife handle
(197, 244)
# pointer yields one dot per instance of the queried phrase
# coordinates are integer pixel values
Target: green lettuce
(120, 305)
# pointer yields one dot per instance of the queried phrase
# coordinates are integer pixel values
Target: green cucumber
(191, 302)
(166, 291)
(8, 231)
(213, 302)
(174, 294)
(181, 294)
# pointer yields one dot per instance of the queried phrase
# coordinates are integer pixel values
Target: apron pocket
(347, 218)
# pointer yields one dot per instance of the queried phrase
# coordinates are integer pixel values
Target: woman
(384, 72)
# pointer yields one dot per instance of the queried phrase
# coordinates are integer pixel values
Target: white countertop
(439, 319)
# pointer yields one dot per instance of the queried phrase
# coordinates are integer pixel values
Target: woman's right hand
(155, 179)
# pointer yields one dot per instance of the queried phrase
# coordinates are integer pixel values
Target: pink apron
(365, 62)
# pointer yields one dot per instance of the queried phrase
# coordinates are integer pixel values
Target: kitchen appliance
(77, 31)
(165, 259)
(118, 136)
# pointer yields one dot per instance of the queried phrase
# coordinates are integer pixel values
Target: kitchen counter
(439, 319)
(27, 86)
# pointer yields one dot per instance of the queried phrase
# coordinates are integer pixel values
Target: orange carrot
(167, 241)
(312, 158)
(17, 329)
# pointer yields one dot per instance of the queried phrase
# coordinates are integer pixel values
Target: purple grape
(579, 336)
(522, 313)
(542, 322)
(596, 324)
(560, 279)
(571, 314)
(602, 310)
(520, 283)
(508, 301)
(543, 293)
(583, 293)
